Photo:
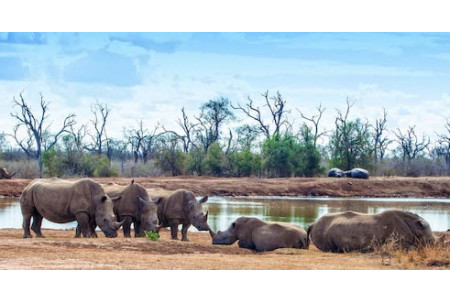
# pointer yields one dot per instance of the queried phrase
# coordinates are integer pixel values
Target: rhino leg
(93, 226)
(78, 231)
(83, 223)
(138, 231)
(26, 226)
(36, 226)
(174, 229)
(126, 226)
(184, 230)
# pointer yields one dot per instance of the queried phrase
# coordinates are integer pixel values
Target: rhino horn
(206, 216)
(212, 234)
(117, 225)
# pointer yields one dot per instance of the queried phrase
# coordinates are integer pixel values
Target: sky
(151, 76)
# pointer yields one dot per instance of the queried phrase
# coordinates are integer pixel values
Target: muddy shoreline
(421, 187)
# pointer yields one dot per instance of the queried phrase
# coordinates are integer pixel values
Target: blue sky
(151, 76)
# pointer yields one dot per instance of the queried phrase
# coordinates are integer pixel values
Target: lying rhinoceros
(62, 201)
(357, 173)
(182, 207)
(4, 174)
(261, 236)
(350, 231)
(336, 173)
(132, 204)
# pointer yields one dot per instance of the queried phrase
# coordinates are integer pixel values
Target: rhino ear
(141, 203)
(420, 225)
(158, 200)
(203, 200)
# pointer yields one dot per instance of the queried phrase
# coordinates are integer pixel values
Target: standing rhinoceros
(350, 231)
(63, 201)
(259, 235)
(182, 207)
(133, 205)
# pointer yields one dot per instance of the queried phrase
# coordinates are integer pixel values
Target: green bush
(53, 163)
(214, 162)
(195, 164)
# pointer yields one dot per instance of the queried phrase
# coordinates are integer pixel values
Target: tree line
(205, 144)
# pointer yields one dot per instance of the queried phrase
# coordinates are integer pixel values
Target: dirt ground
(60, 250)
(333, 187)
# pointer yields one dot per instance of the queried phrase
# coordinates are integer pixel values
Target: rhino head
(226, 237)
(195, 214)
(149, 216)
(105, 218)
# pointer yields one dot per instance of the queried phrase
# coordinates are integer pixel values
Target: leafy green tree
(351, 143)
(213, 115)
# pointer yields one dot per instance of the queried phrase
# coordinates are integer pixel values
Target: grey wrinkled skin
(132, 205)
(183, 208)
(253, 233)
(352, 231)
(62, 201)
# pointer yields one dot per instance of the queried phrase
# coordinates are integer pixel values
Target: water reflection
(301, 211)
(304, 211)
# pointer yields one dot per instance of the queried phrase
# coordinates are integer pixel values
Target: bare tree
(78, 136)
(101, 113)
(381, 141)
(275, 104)
(135, 137)
(443, 148)
(189, 130)
(39, 138)
(410, 146)
(142, 141)
(315, 120)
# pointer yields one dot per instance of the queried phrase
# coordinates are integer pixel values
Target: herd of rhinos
(111, 206)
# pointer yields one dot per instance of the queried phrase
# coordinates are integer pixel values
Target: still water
(299, 210)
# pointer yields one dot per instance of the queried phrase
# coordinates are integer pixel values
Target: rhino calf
(352, 231)
(62, 201)
(182, 207)
(262, 236)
